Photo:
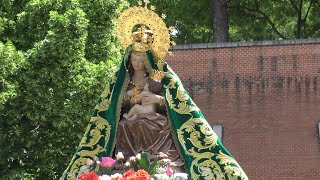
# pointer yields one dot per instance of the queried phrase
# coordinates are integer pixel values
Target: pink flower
(106, 162)
(89, 162)
(169, 171)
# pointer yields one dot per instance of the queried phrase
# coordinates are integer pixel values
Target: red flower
(133, 176)
(139, 175)
(89, 176)
(143, 175)
(128, 173)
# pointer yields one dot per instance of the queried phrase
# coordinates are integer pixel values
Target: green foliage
(145, 163)
(192, 19)
(65, 56)
(254, 20)
(249, 20)
(11, 63)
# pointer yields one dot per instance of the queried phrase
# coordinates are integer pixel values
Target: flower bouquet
(138, 167)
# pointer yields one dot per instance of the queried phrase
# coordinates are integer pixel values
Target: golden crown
(152, 34)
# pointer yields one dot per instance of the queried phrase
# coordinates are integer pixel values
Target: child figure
(140, 109)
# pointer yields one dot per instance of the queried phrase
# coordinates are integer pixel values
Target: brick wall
(267, 97)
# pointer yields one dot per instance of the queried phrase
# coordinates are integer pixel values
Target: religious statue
(145, 108)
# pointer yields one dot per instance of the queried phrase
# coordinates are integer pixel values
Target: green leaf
(144, 160)
(153, 167)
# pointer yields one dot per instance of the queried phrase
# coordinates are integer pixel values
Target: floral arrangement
(138, 167)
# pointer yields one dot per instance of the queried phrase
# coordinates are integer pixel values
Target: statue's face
(137, 60)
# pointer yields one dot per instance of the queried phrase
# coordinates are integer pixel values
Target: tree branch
(310, 5)
(265, 16)
(300, 7)
(294, 6)
(257, 5)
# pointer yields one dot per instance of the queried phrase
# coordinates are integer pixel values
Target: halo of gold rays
(142, 16)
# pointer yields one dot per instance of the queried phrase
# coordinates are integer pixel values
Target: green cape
(202, 151)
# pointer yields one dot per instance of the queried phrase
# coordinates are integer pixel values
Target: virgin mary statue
(145, 108)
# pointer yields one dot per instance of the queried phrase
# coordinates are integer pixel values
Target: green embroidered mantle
(203, 153)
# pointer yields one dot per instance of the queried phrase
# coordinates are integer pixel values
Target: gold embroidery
(185, 103)
(106, 91)
(210, 138)
(160, 64)
(181, 94)
(105, 101)
(209, 168)
(206, 173)
(95, 135)
(231, 167)
(206, 140)
(90, 153)
(76, 167)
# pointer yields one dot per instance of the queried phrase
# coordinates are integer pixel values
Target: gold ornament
(171, 53)
(157, 75)
(136, 93)
(127, 4)
(136, 90)
(171, 28)
(163, 16)
(146, 2)
(152, 35)
(118, 11)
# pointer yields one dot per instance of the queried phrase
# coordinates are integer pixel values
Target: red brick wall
(267, 97)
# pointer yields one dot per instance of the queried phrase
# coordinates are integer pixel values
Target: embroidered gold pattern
(90, 149)
(197, 131)
(105, 101)
(231, 167)
(185, 105)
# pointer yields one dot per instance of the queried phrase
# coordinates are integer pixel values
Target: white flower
(104, 177)
(117, 175)
(132, 159)
(138, 156)
(127, 164)
(119, 156)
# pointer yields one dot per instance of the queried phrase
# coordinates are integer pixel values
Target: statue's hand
(150, 98)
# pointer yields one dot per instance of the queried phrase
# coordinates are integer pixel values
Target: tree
(55, 58)
(248, 20)
(263, 20)
(191, 19)
(220, 20)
